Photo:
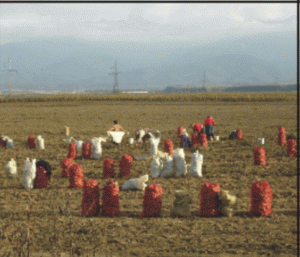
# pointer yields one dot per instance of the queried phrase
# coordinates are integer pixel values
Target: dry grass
(53, 224)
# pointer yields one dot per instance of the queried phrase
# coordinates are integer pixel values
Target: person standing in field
(117, 127)
(209, 129)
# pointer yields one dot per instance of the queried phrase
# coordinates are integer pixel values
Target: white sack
(40, 142)
(196, 165)
(79, 143)
(179, 161)
(167, 169)
(155, 167)
(136, 183)
(11, 169)
(161, 154)
(184, 132)
(154, 142)
(116, 136)
(68, 140)
(97, 148)
(29, 173)
(9, 143)
(141, 133)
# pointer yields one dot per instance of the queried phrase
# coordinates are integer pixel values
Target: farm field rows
(54, 223)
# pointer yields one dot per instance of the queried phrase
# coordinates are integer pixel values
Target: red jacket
(197, 127)
(209, 121)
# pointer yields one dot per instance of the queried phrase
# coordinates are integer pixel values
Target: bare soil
(47, 222)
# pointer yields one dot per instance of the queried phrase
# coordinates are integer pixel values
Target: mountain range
(68, 64)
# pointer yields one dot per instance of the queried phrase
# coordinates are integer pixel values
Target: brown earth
(54, 226)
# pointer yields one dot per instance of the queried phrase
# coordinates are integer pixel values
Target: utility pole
(9, 75)
(204, 81)
(116, 84)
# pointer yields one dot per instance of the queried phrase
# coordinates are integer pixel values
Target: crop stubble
(55, 224)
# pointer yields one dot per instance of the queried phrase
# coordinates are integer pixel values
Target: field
(47, 222)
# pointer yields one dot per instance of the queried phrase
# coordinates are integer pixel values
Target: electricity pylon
(116, 84)
(9, 75)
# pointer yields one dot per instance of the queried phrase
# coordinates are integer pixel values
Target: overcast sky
(143, 22)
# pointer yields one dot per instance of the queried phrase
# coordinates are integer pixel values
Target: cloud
(143, 22)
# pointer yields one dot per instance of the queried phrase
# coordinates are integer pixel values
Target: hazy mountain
(71, 64)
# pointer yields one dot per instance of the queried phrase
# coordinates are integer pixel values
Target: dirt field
(54, 225)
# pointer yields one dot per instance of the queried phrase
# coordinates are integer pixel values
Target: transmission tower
(116, 84)
(9, 75)
(204, 81)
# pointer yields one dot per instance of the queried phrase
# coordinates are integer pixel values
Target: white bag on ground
(167, 169)
(196, 165)
(136, 183)
(229, 203)
(29, 173)
(155, 167)
(11, 169)
(97, 148)
(141, 133)
(9, 143)
(179, 161)
(184, 132)
(68, 140)
(154, 142)
(116, 136)
(79, 143)
(161, 154)
(40, 142)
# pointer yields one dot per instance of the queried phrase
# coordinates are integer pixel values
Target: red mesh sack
(109, 168)
(110, 199)
(179, 131)
(72, 151)
(259, 156)
(239, 134)
(209, 200)
(31, 142)
(152, 202)
(281, 136)
(202, 140)
(76, 176)
(168, 146)
(41, 179)
(66, 165)
(125, 165)
(90, 198)
(291, 148)
(261, 199)
(194, 140)
(86, 150)
(2, 143)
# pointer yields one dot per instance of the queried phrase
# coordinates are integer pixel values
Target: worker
(209, 129)
(117, 127)
(197, 127)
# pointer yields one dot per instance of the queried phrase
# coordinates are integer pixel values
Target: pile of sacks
(162, 164)
(91, 149)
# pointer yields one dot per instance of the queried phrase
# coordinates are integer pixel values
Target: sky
(143, 22)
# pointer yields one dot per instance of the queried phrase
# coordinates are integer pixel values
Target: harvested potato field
(47, 221)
